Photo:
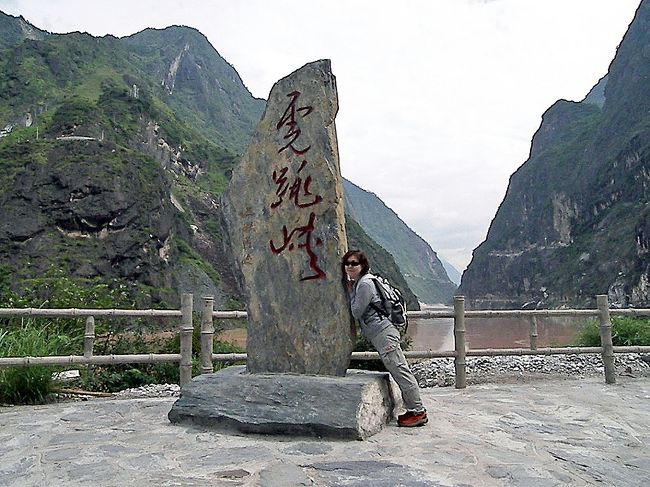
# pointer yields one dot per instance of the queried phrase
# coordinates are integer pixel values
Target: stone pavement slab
(578, 432)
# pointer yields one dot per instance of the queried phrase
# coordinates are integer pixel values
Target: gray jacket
(362, 294)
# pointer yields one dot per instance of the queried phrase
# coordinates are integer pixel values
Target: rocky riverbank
(440, 372)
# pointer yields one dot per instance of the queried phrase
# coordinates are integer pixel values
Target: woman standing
(379, 331)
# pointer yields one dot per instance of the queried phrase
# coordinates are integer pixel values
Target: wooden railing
(184, 358)
(460, 352)
(208, 314)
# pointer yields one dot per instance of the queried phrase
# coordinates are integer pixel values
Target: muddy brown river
(438, 334)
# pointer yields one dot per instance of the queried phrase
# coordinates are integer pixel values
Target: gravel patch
(150, 390)
(440, 372)
(142, 392)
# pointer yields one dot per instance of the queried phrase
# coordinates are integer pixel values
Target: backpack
(394, 306)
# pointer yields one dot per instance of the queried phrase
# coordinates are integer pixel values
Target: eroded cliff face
(200, 85)
(110, 215)
(102, 178)
(575, 220)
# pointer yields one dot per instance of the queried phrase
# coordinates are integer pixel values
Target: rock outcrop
(284, 211)
(353, 407)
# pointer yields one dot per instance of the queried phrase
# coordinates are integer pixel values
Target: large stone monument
(284, 212)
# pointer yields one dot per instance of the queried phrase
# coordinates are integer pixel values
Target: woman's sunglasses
(352, 264)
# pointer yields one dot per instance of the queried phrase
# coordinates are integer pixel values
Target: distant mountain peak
(596, 95)
(14, 30)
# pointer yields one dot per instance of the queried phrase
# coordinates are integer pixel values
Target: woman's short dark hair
(357, 254)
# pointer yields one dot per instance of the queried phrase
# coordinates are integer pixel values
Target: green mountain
(199, 85)
(114, 153)
(419, 264)
(14, 30)
(102, 178)
(575, 221)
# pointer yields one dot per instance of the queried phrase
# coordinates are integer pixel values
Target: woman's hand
(349, 283)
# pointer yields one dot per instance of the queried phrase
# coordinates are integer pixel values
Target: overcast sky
(438, 99)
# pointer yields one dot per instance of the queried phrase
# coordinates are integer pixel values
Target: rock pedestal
(284, 212)
(352, 407)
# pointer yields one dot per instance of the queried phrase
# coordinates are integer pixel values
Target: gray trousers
(386, 342)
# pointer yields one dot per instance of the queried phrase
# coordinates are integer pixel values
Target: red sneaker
(411, 418)
(401, 417)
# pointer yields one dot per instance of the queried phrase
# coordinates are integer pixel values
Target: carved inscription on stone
(284, 212)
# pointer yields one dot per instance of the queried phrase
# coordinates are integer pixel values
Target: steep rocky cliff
(575, 220)
(200, 86)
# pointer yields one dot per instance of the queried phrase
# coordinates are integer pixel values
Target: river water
(437, 334)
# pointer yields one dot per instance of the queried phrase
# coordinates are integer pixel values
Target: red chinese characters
(295, 188)
(302, 232)
(289, 120)
(299, 193)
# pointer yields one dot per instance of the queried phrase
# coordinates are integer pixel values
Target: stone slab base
(354, 407)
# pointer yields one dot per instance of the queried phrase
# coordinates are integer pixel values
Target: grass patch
(31, 385)
(626, 332)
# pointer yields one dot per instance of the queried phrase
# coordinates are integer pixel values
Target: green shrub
(116, 378)
(113, 378)
(626, 332)
(30, 385)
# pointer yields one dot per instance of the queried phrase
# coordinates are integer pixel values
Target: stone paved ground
(577, 432)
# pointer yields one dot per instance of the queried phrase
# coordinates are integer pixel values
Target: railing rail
(183, 358)
(460, 352)
(449, 313)
(208, 314)
(77, 312)
(145, 358)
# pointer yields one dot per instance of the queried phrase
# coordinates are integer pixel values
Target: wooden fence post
(607, 349)
(89, 337)
(207, 335)
(186, 339)
(533, 333)
(459, 339)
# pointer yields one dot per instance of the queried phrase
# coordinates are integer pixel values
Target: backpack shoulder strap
(379, 290)
(381, 312)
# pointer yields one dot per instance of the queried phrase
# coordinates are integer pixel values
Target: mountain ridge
(15, 29)
(110, 175)
(418, 262)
